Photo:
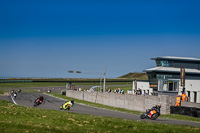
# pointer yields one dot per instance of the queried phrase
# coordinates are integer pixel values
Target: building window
(175, 86)
(164, 63)
(158, 64)
(165, 85)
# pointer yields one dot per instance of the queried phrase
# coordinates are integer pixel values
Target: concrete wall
(127, 101)
(189, 104)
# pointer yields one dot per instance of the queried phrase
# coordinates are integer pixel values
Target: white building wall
(192, 86)
(143, 86)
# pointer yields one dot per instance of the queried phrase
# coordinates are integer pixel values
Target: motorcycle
(65, 108)
(37, 103)
(153, 115)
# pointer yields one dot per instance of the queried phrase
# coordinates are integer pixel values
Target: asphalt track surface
(27, 99)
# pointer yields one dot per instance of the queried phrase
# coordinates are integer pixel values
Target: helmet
(41, 96)
(72, 101)
(159, 105)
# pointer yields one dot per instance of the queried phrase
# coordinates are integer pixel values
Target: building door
(188, 96)
(170, 85)
(195, 97)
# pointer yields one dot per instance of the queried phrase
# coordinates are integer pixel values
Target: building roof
(172, 69)
(177, 58)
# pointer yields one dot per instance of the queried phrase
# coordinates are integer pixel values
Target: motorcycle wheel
(36, 104)
(154, 116)
(68, 108)
(143, 116)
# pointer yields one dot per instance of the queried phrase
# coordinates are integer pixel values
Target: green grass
(2, 91)
(32, 84)
(49, 84)
(123, 85)
(17, 119)
(168, 116)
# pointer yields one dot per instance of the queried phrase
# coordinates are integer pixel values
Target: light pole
(99, 73)
(104, 81)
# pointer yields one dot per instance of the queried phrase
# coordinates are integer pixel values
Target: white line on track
(13, 99)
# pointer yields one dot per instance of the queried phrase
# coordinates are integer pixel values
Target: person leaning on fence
(135, 92)
(122, 91)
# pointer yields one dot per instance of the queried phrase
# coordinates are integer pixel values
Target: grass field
(17, 119)
(112, 85)
(31, 84)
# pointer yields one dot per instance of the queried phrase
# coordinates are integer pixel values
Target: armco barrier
(189, 111)
(126, 101)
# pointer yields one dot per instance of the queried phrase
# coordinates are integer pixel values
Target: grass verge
(168, 116)
(16, 118)
(32, 84)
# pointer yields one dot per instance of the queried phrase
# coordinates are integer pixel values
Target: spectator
(106, 89)
(135, 92)
(138, 92)
(122, 91)
(116, 90)
(119, 90)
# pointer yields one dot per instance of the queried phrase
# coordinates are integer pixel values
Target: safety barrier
(189, 111)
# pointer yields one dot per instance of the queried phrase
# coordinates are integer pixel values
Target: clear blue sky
(47, 38)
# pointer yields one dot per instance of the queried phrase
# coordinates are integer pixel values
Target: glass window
(186, 65)
(164, 63)
(158, 63)
(175, 86)
(165, 85)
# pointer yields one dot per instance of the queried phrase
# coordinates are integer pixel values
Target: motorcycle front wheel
(154, 116)
(143, 116)
(68, 108)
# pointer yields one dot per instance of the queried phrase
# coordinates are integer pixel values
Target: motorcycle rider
(71, 103)
(40, 99)
(156, 107)
(19, 90)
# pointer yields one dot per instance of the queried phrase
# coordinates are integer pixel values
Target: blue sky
(48, 38)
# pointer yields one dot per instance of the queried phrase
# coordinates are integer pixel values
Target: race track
(27, 99)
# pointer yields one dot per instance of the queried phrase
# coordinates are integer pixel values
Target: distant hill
(138, 76)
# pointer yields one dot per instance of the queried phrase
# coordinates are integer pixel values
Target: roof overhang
(172, 70)
(177, 58)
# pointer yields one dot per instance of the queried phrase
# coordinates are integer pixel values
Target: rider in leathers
(71, 103)
(157, 108)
